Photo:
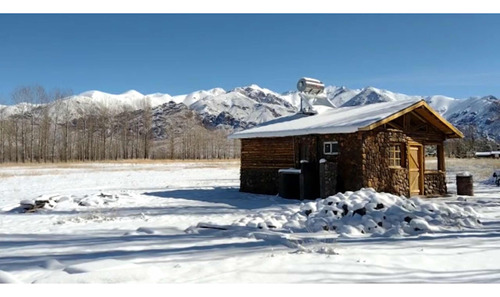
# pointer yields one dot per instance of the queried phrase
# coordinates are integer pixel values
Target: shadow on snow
(230, 196)
(115, 247)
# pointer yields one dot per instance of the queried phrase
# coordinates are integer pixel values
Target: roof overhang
(425, 111)
(346, 120)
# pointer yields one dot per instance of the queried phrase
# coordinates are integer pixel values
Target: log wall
(267, 153)
(261, 158)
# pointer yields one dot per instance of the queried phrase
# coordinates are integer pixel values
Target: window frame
(331, 143)
(393, 155)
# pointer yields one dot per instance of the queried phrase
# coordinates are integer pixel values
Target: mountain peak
(258, 88)
(133, 93)
(90, 93)
(371, 89)
(490, 97)
(254, 86)
(217, 91)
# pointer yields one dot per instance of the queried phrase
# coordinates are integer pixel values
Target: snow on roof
(335, 120)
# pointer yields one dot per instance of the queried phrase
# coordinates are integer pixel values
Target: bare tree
(124, 121)
(59, 107)
(50, 128)
(147, 119)
(3, 132)
(23, 97)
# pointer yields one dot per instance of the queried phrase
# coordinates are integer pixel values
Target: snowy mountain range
(248, 106)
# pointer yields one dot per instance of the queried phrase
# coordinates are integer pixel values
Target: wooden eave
(425, 111)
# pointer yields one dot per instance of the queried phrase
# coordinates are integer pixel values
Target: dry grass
(481, 169)
(90, 164)
(38, 169)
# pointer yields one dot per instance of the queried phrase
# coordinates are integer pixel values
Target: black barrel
(289, 183)
(465, 184)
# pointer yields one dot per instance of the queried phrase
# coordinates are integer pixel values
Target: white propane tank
(310, 86)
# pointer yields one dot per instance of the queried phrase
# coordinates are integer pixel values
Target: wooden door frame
(421, 160)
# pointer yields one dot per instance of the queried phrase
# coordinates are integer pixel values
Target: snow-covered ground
(146, 223)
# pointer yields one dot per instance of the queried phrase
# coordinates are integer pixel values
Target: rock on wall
(260, 181)
(435, 183)
(328, 179)
(375, 159)
(400, 182)
(363, 161)
(348, 161)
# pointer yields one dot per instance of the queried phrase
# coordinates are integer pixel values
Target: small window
(395, 156)
(331, 148)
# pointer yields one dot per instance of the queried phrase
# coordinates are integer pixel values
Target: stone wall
(328, 179)
(363, 161)
(378, 174)
(348, 161)
(435, 183)
(400, 182)
(260, 181)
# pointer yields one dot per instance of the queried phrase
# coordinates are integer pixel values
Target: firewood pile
(29, 206)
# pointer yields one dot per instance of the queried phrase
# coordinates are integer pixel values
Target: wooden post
(440, 157)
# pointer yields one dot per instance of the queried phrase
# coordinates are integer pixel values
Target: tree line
(470, 144)
(45, 127)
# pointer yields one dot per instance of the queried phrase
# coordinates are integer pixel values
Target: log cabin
(381, 146)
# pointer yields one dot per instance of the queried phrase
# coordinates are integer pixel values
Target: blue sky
(453, 55)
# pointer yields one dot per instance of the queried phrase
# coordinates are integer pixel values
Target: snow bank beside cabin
(56, 202)
(369, 213)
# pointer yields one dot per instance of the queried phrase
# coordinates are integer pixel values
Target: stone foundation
(260, 181)
(400, 182)
(435, 183)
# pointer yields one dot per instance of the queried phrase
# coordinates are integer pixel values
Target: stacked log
(261, 158)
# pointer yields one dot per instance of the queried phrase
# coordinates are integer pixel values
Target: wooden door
(416, 172)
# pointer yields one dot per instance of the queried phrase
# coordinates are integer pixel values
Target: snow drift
(368, 213)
